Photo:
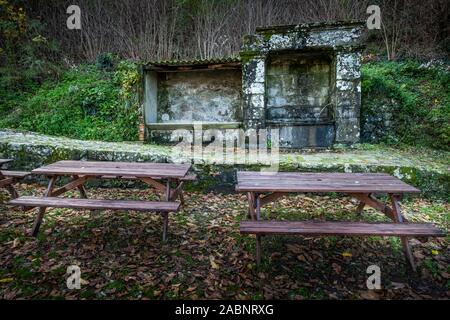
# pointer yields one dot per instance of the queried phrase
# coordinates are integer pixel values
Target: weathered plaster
(212, 96)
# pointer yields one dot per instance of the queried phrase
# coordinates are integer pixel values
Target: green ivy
(416, 95)
(86, 103)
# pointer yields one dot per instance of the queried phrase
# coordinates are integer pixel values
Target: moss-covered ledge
(423, 168)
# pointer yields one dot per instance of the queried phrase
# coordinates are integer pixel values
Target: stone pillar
(253, 86)
(348, 97)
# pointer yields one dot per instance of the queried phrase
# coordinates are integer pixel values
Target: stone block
(346, 112)
(348, 66)
(254, 88)
(347, 130)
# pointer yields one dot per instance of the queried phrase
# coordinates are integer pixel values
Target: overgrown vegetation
(41, 93)
(42, 90)
(406, 102)
(87, 102)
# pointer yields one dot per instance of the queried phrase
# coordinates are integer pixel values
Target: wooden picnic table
(6, 182)
(8, 178)
(263, 188)
(3, 161)
(160, 176)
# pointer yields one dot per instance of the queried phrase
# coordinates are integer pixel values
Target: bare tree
(166, 29)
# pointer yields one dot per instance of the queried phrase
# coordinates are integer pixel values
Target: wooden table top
(250, 181)
(122, 169)
(3, 161)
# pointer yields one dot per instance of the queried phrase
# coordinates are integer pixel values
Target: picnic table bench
(8, 178)
(157, 175)
(263, 188)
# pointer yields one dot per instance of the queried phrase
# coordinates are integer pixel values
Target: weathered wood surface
(6, 182)
(319, 228)
(188, 177)
(3, 161)
(109, 168)
(74, 203)
(15, 174)
(249, 181)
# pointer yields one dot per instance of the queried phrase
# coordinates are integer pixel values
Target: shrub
(86, 103)
(406, 102)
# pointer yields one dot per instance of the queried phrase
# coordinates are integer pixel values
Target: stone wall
(29, 151)
(209, 96)
(298, 87)
(264, 97)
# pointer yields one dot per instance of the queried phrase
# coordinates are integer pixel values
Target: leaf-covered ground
(121, 255)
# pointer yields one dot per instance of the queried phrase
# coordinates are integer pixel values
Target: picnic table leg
(361, 206)
(165, 214)
(258, 237)
(251, 205)
(81, 189)
(41, 211)
(398, 218)
(182, 198)
(12, 191)
(258, 250)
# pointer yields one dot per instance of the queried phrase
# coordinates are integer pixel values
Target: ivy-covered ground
(121, 254)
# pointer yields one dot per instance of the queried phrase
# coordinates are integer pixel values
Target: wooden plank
(71, 185)
(41, 211)
(314, 228)
(322, 182)
(15, 174)
(105, 171)
(6, 182)
(251, 205)
(271, 197)
(374, 203)
(323, 175)
(157, 185)
(75, 203)
(175, 193)
(398, 218)
(188, 177)
(324, 188)
(3, 161)
(121, 164)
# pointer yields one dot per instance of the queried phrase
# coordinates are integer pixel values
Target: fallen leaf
(370, 295)
(214, 265)
(337, 268)
(346, 254)
(15, 243)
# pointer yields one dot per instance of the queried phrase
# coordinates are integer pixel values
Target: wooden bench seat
(162, 207)
(8, 178)
(15, 174)
(328, 228)
(189, 177)
(96, 204)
